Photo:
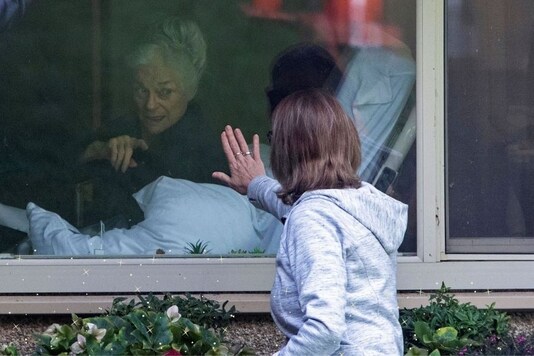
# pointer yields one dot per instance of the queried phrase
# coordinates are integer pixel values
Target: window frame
(29, 281)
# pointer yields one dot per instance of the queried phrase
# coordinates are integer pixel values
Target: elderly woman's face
(159, 97)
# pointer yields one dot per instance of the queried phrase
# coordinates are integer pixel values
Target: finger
(141, 144)
(127, 158)
(230, 135)
(223, 177)
(243, 146)
(120, 156)
(113, 152)
(133, 163)
(230, 157)
(256, 147)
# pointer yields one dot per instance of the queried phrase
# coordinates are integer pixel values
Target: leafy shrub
(202, 311)
(140, 332)
(472, 326)
(151, 326)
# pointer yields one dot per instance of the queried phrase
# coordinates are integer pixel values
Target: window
(71, 82)
(66, 80)
(489, 126)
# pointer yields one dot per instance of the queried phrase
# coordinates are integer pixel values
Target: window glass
(161, 79)
(490, 125)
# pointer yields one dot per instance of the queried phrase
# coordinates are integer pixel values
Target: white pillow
(177, 212)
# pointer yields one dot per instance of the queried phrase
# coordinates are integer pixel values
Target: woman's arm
(262, 194)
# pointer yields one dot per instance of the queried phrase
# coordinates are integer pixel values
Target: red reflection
(338, 23)
(267, 6)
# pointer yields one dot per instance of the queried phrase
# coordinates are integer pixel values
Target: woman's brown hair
(314, 145)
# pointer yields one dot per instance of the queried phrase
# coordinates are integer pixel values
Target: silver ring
(248, 153)
(238, 153)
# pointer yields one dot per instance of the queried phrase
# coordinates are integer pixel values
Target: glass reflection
(96, 112)
(490, 56)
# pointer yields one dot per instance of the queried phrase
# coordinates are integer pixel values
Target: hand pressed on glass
(243, 164)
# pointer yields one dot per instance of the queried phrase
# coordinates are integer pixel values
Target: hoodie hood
(384, 216)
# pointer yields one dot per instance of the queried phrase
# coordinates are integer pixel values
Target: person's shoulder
(311, 207)
(387, 59)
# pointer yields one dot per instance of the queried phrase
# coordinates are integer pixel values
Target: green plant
(444, 310)
(197, 248)
(202, 311)
(140, 332)
(9, 350)
(444, 339)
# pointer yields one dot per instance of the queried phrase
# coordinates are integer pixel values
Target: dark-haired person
(335, 284)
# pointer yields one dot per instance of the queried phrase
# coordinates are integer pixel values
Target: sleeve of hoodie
(262, 194)
(317, 263)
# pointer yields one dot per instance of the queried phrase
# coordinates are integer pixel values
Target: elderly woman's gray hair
(181, 45)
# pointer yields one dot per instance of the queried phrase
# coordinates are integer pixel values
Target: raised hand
(243, 164)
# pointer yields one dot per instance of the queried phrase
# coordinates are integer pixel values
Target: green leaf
(161, 333)
(115, 348)
(92, 346)
(435, 353)
(416, 351)
(138, 318)
(445, 334)
(422, 329)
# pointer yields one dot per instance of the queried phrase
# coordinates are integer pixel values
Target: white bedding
(177, 212)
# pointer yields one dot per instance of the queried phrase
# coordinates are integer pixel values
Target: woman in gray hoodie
(335, 283)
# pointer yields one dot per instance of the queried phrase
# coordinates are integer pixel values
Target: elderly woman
(166, 135)
(335, 284)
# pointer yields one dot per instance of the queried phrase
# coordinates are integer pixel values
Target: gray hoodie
(335, 285)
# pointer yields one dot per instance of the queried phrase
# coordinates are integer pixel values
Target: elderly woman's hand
(244, 165)
(121, 150)
(118, 150)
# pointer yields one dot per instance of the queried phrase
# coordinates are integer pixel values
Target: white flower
(52, 329)
(79, 346)
(96, 332)
(173, 314)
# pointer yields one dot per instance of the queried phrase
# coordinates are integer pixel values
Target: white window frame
(47, 285)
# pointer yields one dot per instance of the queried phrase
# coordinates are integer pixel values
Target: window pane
(489, 125)
(75, 86)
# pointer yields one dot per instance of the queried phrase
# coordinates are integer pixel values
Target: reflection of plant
(197, 248)
(255, 251)
(140, 332)
(202, 311)
(444, 311)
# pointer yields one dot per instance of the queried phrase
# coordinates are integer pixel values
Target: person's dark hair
(302, 66)
(314, 145)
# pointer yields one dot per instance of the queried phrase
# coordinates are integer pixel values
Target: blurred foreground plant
(140, 332)
(151, 326)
